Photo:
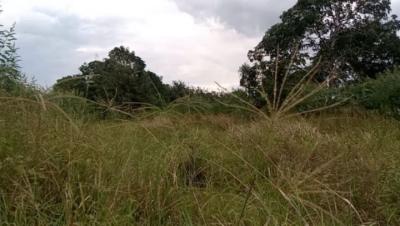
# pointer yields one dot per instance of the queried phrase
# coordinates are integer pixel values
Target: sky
(200, 42)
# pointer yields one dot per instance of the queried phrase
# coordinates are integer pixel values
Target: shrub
(381, 94)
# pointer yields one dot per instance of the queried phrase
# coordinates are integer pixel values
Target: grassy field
(196, 169)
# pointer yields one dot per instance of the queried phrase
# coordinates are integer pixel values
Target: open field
(169, 112)
(197, 169)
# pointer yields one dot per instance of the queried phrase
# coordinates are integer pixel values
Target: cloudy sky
(197, 41)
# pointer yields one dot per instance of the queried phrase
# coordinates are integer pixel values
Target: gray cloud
(189, 40)
(251, 17)
(48, 43)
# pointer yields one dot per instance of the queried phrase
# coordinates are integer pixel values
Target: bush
(381, 94)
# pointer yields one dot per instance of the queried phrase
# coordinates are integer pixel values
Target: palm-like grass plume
(280, 106)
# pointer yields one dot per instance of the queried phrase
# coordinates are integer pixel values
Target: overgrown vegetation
(299, 145)
(382, 94)
(196, 169)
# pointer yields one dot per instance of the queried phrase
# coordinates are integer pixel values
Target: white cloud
(56, 37)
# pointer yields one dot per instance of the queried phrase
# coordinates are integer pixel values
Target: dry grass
(195, 169)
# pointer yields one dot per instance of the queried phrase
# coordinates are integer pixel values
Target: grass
(196, 169)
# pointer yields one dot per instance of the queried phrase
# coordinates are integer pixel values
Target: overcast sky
(197, 41)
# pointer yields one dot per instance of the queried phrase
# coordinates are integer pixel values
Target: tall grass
(194, 169)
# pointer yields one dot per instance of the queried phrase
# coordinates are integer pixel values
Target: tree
(178, 89)
(9, 69)
(354, 39)
(121, 78)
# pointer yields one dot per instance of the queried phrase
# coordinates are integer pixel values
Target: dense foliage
(348, 39)
(381, 94)
(10, 76)
(121, 78)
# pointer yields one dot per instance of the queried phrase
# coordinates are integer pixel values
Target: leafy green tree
(178, 89)
(351, 39)
(10, 76)
(121, 78)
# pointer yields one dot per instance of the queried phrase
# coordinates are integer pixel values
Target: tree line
(348, 42)
(121, 77)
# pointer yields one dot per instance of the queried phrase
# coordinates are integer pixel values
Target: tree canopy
(354, 39)
(121, 77)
